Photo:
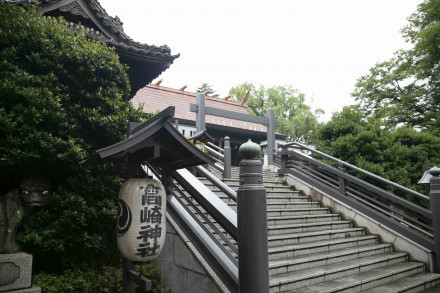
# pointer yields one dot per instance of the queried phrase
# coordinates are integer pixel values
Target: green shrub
(62, 96)
(108, 279)
(151, 272)
(105, 280)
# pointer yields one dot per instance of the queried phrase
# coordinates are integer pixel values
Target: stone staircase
(312, 249)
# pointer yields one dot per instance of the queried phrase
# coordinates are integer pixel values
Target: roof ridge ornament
(118, 22)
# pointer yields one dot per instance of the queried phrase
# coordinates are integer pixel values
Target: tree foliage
(206, 87)
(406, 89)
(62, 96)
(296, 118)
(396, 155)
(107, 279)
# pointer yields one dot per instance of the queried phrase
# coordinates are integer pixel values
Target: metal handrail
(214, 153)
(199, 234)
(215, 206)
(203, 236)
(362, 171)
(368, 186)
(175, 189)
(217, 182)
(219, 149)
(410, 220)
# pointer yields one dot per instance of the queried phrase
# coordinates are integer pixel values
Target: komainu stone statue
(15, 205)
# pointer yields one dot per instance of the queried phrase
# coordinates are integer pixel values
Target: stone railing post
(270, 114)
(227, 158)
(434, 199)
(253, 264)
(342, 187)
(284, 158)
(128, 286)
(425, 169)
(200, 118)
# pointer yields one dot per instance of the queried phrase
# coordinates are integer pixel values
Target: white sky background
(320, 47)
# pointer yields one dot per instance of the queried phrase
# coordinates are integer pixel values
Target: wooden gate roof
(158, 142)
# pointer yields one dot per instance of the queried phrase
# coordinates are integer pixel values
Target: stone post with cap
(253, 264)
(227, 159)
(434, 199)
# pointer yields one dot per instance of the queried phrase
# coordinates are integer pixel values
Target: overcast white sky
(318, 46)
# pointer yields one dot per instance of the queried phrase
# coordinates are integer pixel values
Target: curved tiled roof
(119, 39)
(145, 62)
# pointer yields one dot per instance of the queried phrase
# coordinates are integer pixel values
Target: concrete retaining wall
(183, 270)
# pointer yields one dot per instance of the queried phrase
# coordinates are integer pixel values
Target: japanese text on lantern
(151, 217)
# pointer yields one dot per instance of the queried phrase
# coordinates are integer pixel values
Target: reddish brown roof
(154, 97)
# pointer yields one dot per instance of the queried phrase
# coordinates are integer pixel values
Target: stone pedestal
(16, 273)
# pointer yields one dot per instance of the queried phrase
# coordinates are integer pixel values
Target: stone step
(237, 171)
(283, 230)
(297, 212)
(289, 205)
(287, 193)
(266, 183)
(268, 188)
(286, 220)
(285, 265)
(268, 176)
(294, 250)
(308, 227)
(277, 206)
(312, 250)
(265, 176)
(304, 237)
(272, 197)
(281, 199)
(265, 171)
(423, 282)
(434, 289)
(362, 281)
(297, 220)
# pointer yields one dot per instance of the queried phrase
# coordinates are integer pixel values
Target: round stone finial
(227, 138)
(434, 171)
(250, 150)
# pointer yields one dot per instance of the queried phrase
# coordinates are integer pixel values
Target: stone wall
(183, 269)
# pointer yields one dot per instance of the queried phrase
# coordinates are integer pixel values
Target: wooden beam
(233, 115)
(246, 93)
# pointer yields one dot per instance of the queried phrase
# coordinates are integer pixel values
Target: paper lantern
(141, 219)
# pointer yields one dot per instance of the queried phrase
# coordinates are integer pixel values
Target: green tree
(406, 89)
(296, 118)
(62, 96)
(207, 87)
(396, 155)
